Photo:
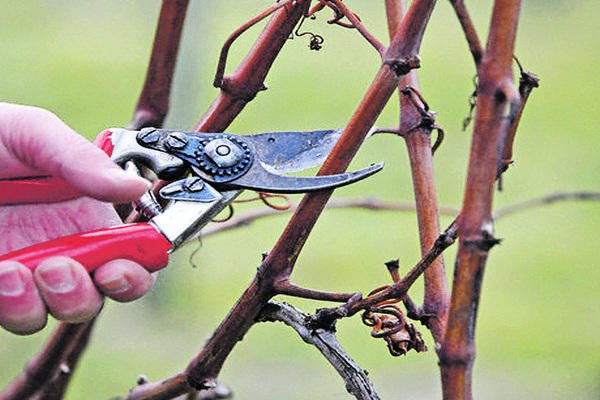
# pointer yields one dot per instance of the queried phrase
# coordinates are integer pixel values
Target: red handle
(140, 242)
(36, 190)
(46, 189)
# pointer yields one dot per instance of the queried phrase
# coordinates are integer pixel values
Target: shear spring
(147, 205)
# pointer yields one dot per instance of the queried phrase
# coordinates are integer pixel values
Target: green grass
(537, 329)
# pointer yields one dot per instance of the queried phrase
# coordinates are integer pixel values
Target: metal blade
(287, 152)
(258, 178)
(279, 152)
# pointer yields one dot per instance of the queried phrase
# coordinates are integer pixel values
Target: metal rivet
(148, 136)
(193, 184)
(176, 140)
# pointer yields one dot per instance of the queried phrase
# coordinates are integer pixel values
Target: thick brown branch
(57, 386)
(437, 295)
(46, 364)
(205, 367)
(457, 353)
(405, 47)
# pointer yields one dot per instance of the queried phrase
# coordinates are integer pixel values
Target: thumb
(42, 144)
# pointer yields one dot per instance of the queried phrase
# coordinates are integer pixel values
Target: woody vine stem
(450, 315)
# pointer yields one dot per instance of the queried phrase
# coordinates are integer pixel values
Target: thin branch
(355, 22)
(287, 287)
(242, 85)
(218, 79)
(545, 200)
(469, 30)
(153, 104)
(165, 389)
(373, 204)
(416, 124)
(326, 317)
(367, 203)
(355, 378)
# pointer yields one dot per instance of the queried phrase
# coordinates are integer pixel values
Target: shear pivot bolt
(176, 140)
(223, 152)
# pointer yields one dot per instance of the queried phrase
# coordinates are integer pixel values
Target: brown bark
(475, 229)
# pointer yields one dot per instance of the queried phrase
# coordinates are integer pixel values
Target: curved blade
(258, 178)
(279, 152)
(287, 152)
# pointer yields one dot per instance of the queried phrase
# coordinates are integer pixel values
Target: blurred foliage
(539, 317)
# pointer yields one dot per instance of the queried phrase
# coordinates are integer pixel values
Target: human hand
(34, 142)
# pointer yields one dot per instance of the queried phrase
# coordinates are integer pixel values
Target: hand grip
(140, 243)
(46, 189)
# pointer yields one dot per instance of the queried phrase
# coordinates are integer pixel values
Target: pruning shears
(207, 172)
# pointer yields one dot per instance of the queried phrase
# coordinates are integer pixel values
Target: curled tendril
(228, 217)
(266, 196)
(316, 41)
(262, 196)
(388, 322)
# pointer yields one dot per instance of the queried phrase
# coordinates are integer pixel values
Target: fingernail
(115, 284)
(58, 278)
(11, 282)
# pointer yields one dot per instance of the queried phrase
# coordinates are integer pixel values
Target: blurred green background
(537, 333)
